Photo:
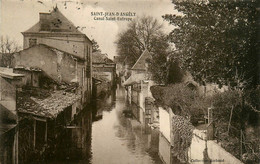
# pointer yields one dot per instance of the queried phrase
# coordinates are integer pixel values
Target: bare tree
(8, 45)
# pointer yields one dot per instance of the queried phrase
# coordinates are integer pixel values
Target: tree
(95, 46)
(8, 45)
(139, 35)
(216, 41)
(146, 33)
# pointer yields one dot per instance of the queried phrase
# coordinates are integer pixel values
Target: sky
(19, 15)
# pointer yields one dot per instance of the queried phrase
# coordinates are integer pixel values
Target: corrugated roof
(140, 63)
(54, 22)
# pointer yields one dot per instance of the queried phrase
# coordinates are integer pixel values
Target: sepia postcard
(129, 81)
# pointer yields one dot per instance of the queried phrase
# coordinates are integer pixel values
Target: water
(106, 136)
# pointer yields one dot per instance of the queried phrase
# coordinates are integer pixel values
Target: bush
(183, 101)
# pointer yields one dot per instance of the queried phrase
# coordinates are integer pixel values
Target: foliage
(6, 59)
(95, 46)
(216, 41)
(146, 33)
(183, 101)
(140, 34)
(229, 120)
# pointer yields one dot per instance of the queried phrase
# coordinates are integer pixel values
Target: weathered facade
(138, 89)
(104, 67)
(56, 31)
(55, 79)
(60, 66)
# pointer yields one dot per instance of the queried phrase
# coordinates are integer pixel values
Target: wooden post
(46, 130)
(210, 127)
(34, 133)
(241, 146)
(17, 146)
(230, 118)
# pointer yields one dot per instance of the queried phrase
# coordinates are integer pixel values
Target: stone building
(104, 67)
(55, 78)
(138, 90)
(59, 34)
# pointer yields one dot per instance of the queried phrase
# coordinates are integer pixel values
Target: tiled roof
(140, 63)
(33, 69)
(49, 107)
(119, 59)
(54, 22)
(98, 57)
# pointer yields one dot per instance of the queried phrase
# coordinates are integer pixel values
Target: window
(32, 42)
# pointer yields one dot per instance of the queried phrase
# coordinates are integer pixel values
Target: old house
(58, 65)
(138, 90)
(43, 112)
(103, 67)
(56, 83)
(54, 32)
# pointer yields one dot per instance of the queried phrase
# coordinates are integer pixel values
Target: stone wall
(201, 150)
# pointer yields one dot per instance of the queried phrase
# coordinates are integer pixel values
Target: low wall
(164, 149)
(202, 150)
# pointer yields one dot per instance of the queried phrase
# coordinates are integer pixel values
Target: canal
(107, 135)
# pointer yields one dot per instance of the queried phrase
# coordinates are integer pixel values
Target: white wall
(215, 151)
(165, 127)
(164, 149)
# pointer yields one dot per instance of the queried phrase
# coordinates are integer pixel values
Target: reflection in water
(112, 138)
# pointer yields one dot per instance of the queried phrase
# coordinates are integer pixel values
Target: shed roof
(11, 75)
(32, 69)
(48, 107)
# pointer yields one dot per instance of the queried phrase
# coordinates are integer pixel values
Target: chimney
(45, 21)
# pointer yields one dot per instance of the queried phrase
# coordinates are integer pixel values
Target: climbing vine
(182, 131)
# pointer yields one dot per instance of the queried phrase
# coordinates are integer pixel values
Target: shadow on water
(105, 135)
